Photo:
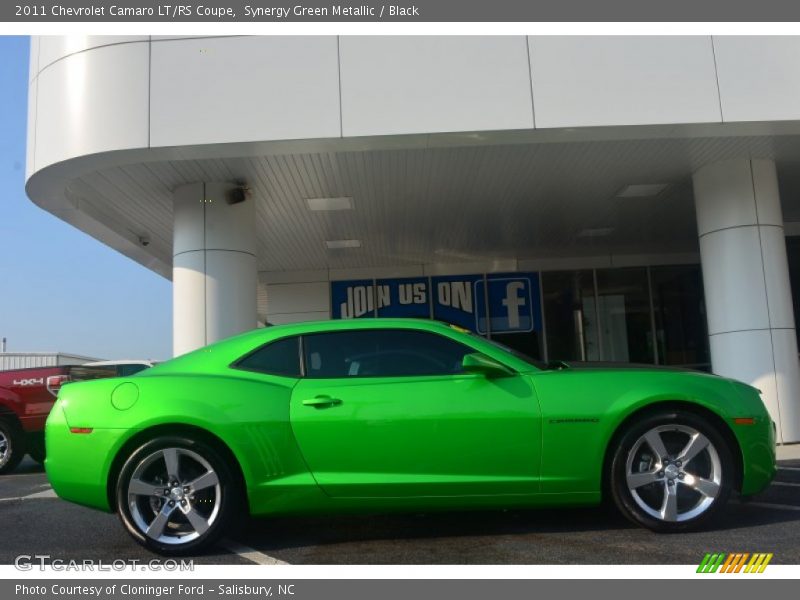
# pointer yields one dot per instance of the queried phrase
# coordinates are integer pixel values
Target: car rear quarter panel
(249, 413)
(582, 409)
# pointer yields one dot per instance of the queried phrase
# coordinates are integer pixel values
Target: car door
(390, 413)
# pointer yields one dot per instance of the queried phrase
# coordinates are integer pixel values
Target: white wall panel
(188, 229)
(55, 47)
(30, 143)
(758, 77)
(754, 367)
(188, 302)
(736, 255)
(236, 89)
(721, 190)
(779, 295)
(616, 80)
(298, 297)
(377, 273)
(230, 293)
(91, 102)
(284, 318)
(411, 84)
(494, 266)
(183, 37)
(767, 194)
(267, 277)
(33, 59)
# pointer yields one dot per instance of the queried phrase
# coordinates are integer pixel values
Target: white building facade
(578, 198)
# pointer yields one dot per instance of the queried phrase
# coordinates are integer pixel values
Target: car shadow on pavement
(286, 533)
(27, 467)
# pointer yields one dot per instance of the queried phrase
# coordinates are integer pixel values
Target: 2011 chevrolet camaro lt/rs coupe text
(398, 414)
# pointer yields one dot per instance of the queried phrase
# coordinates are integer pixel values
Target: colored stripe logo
(739, 562)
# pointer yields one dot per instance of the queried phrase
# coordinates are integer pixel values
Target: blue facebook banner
(512, 298)
(403, 297)
(352, 299)
(513, 302)
(454, 299)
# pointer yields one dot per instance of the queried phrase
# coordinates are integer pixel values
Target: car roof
(224, 351)
(111, 363)
(365, 323)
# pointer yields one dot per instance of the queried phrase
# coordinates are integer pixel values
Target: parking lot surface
(35, 521)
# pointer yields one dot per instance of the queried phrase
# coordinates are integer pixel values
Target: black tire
(36, 448)
(221, 506)
(712, 470)
(13, 445)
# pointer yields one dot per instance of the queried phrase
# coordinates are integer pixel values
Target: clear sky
(61, 290)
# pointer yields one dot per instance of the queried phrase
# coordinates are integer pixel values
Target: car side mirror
(484, 365)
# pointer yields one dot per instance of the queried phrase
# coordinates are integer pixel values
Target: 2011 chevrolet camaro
(393, 414)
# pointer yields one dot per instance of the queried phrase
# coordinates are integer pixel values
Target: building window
(623, 312)
(650, 315)
(680, 316)
(793, 257)
(569, 315)
(620, 315)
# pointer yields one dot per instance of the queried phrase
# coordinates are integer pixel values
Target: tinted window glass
(570, 316)
(128, 370)
(623, 307)
(382, 353)
(82, 373)
(680, 316)
(278, 358)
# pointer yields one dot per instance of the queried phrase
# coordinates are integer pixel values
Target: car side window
(281, 357)
(381, 353)
(128, 370)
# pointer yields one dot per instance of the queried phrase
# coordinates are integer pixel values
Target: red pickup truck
(26, 397)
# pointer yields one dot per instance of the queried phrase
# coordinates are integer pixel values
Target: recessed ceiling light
(642, 190)
(336, 244)
(596, 232)
(338, 203)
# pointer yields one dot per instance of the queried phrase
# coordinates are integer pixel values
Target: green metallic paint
(447, 436)
(532, 438)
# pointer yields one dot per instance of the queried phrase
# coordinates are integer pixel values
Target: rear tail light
(54, 383)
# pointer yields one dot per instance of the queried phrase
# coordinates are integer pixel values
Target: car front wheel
(671, 471)
(176, 496)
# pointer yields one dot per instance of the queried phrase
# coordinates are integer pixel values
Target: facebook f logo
(511, 303)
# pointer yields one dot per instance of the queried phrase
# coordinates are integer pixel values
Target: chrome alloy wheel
(674, 473)
(5, 448)
(174, 496)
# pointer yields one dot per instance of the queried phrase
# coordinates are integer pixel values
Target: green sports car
(396, 414)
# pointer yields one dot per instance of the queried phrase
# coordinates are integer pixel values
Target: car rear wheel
(36, 448)
(176, 495)
(671, 471)
(12, 446)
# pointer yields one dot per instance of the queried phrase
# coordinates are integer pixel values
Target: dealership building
(631, 199)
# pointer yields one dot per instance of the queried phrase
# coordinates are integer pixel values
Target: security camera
(144, 240)
(238, 194)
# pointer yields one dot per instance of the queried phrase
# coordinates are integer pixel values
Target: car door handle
(322, 402)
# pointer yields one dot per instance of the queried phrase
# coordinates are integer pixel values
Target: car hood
(615, 366)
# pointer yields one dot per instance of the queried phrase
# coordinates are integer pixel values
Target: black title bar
(420, 11)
